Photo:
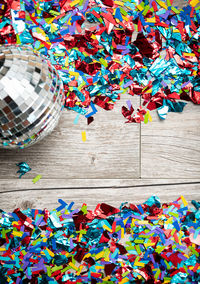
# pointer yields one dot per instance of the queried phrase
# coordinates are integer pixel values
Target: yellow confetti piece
(50, 252)
(93, 37)
(106, 278)
(67, 61)
(169, 220)
(74, 3)
(140, 7)
(79, 269)
(2, 249)
(184, 201)
(99, 255)
(87, 255)
(83, 136)
(139, 264)
(149, 244)
(150, 117)
(119, 3)
(107, 228)
(125, 18)
(133, 222)
(193, 3)
(125, 280)
(76, 74)
(17, 234)
(73, 266)
(51, 20)
(122, 233)
(188, 54)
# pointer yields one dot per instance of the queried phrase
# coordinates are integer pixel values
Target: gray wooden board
(110, 151)
(171, 148)
(47, 198)
(113, 183)
(12, 185)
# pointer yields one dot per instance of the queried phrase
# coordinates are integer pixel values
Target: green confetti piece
(146, 9)
(194, 251)
(104, 62)
(137, 247)
(157, 274)
(138, 241)
(56, 268)
(123, 12)
(125, 273)
(36, 179)
(176, 11)
(48, 271)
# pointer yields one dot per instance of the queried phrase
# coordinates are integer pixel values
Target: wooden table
(118, 162)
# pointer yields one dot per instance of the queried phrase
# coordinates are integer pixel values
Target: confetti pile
(146, 243)
(105, 48)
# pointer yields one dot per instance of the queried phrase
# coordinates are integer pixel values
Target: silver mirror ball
(31, 96)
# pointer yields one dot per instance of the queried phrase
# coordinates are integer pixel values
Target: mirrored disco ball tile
(31, 97)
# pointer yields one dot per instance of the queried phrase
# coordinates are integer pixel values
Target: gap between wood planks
(103, 187)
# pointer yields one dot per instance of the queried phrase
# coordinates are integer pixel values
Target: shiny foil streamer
(31, 96)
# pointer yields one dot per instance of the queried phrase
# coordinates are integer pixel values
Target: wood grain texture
(114, 196)
(110, 151)
(12, 185)
(170, 148)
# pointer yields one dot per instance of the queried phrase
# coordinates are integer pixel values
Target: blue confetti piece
(23, 168)
(63, 205)
(94, 110)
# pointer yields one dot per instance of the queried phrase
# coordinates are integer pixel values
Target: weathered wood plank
(51, 184)
(111, 149)
(115, 196)
(170, 148)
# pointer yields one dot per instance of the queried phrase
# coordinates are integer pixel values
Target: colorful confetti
(105, 48)
(145, 243)
(23, 169)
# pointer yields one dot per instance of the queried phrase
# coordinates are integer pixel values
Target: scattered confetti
(144, 243)
(36, 179)
(103, 49)
(23, 168)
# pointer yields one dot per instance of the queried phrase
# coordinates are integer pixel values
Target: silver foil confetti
(31, 96)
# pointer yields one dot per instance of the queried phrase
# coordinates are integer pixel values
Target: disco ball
(31, 96)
